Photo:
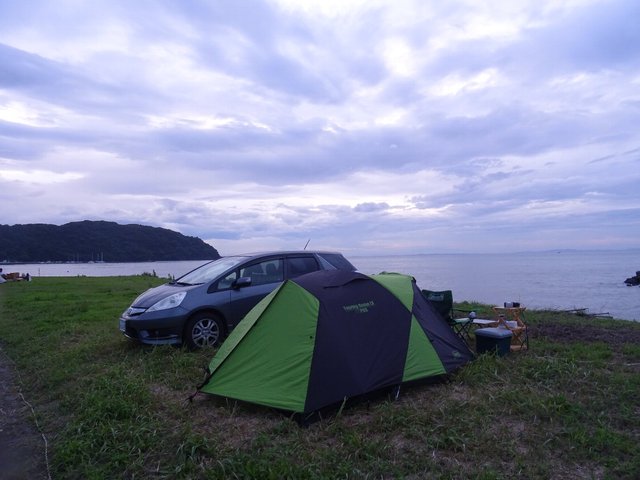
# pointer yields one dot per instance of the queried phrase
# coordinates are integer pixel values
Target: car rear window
(338, 261)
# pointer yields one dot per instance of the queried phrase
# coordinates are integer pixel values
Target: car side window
(227, 282)
(268, 271)
(297, 266)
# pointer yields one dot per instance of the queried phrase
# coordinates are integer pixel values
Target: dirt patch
(22, 448)
(615, 336)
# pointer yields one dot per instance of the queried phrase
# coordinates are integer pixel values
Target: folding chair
(512, 318)
(442, 301)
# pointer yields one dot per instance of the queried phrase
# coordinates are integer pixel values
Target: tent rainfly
(329, 336)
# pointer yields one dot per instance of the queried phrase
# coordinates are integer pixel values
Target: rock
(632, 281)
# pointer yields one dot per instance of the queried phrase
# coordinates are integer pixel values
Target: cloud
(366, 126)
(371, 207)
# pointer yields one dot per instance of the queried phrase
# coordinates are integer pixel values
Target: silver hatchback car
(200, 308)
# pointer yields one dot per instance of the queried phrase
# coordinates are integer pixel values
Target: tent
(329, 336)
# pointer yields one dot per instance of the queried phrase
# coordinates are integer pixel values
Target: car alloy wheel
(203, 330)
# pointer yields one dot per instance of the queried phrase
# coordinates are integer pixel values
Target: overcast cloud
(366, 126)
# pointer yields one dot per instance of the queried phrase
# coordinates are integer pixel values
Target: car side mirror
(242, 282)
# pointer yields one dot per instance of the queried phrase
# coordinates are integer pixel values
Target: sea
(559, 280)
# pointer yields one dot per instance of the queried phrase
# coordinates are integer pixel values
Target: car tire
(204, 329)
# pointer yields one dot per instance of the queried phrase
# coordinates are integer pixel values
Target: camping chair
(513, 319)
(442, 302)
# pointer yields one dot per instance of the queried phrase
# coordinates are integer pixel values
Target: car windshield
(210, 271)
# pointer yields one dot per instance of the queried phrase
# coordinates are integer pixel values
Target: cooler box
(493, 340)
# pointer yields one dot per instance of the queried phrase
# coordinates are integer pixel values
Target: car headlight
(170, 302)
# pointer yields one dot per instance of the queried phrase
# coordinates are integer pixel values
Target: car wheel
(203, 330)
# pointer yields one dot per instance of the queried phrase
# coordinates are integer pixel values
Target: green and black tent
(329, 336)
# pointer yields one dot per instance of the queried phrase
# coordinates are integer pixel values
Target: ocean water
(562, 280)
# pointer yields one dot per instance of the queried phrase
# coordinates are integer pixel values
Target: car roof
(283, 252)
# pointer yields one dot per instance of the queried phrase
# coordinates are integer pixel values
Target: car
(200, 308)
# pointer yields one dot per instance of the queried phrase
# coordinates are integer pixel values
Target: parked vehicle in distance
(200, 308)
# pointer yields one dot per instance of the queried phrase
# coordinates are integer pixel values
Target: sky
(368, 127)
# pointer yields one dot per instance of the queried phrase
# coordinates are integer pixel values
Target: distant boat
(99, 259)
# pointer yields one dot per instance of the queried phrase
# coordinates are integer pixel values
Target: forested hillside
(98, 240)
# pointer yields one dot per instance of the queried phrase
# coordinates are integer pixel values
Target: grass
(567, 408)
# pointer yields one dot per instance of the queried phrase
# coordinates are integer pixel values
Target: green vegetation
(568, 408)
(95, 241)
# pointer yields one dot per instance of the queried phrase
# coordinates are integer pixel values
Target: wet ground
(22, 447)
(613, 336)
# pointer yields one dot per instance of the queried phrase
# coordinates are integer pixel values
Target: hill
(98, 240)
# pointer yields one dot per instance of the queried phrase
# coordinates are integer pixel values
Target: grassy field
(567, 408)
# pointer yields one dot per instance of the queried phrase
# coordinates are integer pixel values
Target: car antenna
(305, 245)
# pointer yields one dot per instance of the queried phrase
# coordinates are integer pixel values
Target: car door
(265, 275)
